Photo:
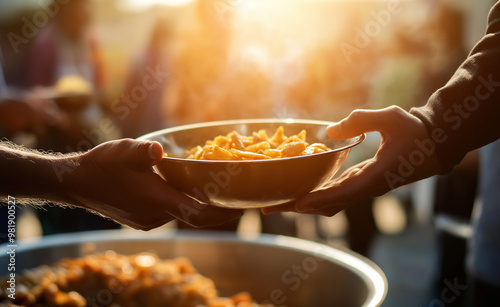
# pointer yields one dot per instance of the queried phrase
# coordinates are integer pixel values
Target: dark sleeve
(465, 113)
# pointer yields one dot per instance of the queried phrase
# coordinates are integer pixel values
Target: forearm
(32, 175)
(464, 113)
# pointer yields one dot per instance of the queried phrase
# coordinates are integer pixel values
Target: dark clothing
(465, 111)
(485, 294)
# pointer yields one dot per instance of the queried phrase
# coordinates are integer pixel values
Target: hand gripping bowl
(281, 270)
(248, 184)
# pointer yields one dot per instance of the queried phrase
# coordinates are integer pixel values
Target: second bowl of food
(250, 163)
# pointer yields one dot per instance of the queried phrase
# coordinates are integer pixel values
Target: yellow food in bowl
(258, 146)
(72, 85)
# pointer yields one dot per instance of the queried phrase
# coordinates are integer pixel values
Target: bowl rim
(362, 266)
(358, 139)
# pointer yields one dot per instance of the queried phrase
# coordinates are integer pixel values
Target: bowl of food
(250, 163)
(72, 93)
(186, 269)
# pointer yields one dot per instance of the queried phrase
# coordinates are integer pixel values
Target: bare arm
(114, 179)
(27, 174)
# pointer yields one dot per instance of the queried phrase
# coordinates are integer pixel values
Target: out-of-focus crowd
(219, 63)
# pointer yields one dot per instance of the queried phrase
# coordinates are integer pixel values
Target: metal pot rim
(367, 270)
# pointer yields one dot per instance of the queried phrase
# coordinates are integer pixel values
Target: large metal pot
(277, 269)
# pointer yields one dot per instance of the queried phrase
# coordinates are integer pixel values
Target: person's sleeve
(465, 113)
(42, 60)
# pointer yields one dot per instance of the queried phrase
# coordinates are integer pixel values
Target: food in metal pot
(111, 279)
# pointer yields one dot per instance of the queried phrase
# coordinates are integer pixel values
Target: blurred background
(76, 73)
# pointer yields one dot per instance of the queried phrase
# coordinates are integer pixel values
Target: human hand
(115, 179)
(28, 112)
(46, 112)
(16, 115)
(406, 154)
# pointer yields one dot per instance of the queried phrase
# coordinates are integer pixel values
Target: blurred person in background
(137, 118)
(64, 60)
(66, 46)
(199, 62)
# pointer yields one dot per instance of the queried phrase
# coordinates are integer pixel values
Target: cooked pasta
(258, 146)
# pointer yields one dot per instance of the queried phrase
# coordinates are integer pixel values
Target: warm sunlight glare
(275, 58)
(144, 4)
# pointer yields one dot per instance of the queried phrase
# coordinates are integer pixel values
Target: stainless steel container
(276, 269)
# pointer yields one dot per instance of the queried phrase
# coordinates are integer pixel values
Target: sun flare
(135, 5)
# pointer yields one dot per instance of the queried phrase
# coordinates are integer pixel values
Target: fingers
(317, 207)
(328, 212)
(201, 215)
(363, 121)
(359, 182)
(147, 225)
(290, 207)
(170, 204)
(210, 215)
(353, 170)
(279, 208)
(190, 211)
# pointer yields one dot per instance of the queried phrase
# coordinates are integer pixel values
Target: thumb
(351, 126)
(155, 152)
(149, 153)
(364, 121)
